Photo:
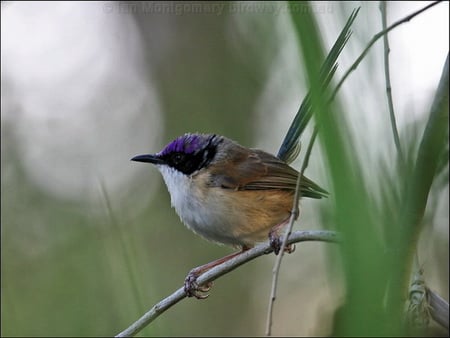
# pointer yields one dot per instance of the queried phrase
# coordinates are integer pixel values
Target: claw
(276, 242)
(290, 248)
(192, 288)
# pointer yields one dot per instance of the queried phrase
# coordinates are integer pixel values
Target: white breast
(199, 210)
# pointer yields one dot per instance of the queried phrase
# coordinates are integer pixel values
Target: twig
(294, 214)
(438, 308)
(388, 83)
(373, 40)
(288, 150)
(220, 270)
(387, 75)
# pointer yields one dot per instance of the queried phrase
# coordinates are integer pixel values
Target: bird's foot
(276, 243)
(192, 288)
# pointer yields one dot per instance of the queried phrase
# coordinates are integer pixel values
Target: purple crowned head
(187, 154)
(188, 144)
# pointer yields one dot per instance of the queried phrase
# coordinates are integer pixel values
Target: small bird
(228, 193)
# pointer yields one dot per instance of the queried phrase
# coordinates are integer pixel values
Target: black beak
(148, 158)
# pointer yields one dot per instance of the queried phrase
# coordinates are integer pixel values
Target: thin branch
(387, 74)
(294, 214)
(288, 150)
(374, 39)
(438, 308)
(222, 269)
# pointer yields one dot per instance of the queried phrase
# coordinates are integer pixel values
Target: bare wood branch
(294, 214)
(220, 270)
(387, 75)
(438, 308)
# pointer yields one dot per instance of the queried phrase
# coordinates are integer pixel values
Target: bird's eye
(177, 158)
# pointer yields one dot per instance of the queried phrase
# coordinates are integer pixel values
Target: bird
(228, 193)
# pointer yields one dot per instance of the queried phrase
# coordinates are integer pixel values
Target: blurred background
(89, 241)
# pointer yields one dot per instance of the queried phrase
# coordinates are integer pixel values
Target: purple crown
(187, 143)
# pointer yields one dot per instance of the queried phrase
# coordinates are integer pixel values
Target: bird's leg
(191, 287)
(276, 241)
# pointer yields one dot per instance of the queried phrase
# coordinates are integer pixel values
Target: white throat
(179, 186)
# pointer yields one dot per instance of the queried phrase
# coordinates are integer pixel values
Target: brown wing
(258, 170)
